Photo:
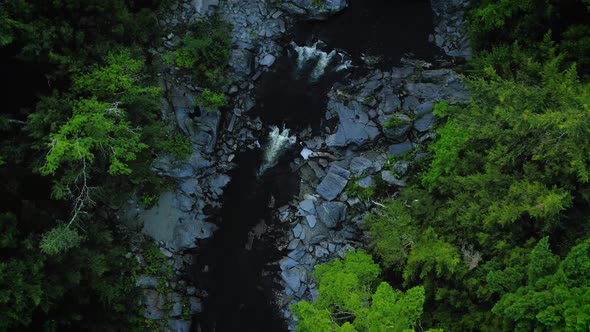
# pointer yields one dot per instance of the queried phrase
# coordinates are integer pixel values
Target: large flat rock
(166, 222)
(334, 182)
(354, 126)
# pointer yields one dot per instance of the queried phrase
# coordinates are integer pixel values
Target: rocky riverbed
(356, 152)
(323, 219)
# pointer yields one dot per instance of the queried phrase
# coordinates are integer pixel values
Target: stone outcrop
(314, 9)
(325, 221)
(450, 32)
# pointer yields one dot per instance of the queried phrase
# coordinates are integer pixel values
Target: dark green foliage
(530, 24)
(88, 288)
(95, 135)
(508, 170)
(205, 51)
(71, 34)
(555, 296)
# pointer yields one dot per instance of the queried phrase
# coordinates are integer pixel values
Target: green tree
(555, 296)
(90, 288)
(205, 50)
(351, 298)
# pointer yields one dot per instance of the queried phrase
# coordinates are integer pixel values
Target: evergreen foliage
(352, 298)
(506, 185)
(205, 51)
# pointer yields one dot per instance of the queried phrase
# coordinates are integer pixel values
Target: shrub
(210, 100)
(206, 50)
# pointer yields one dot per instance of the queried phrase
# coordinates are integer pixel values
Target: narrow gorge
(272, 184)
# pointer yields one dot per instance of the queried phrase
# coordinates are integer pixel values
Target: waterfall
(323, 61)
(312, 56)
(304, 54)
(278, 141)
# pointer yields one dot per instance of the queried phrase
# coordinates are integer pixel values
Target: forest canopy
(495, 226)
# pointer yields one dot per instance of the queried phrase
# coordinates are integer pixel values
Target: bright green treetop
(351, 298)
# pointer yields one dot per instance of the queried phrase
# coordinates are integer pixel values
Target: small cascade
(305, 54)
(319, 60)
(324, 60)
(278, 141)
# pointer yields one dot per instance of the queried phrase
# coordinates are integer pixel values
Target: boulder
(177, 325)
(391, 179)
(217, 183)
(297, 230)
(332, 213)
(424, 123)
(424, 108)
(360, 165)
(401, 167)
(311, 220)
(267, 60)
(396, 132)
(293, 277)
(241, 63)
(166, 222)
(390, 104)
(154, 304)
(306, 207)
(400, 148)
(287, 262)
(365, 182)
(427, 91)
(410, 103)
(146, 281)
(334, 182)
(310, 10)
(354, 126)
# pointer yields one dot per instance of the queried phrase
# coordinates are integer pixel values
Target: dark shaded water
(389, 29)
(239, 295)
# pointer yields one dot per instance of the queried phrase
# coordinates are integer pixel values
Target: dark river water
(240, 294)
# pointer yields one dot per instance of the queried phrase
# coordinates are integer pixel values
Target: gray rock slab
(390, 104)
(287, 262)
(354, 127)
(310, 10)
(424, 108)
(424, 123)
(365, 182)
(267, 60)
(428, 91)
(401, 167)
(297, 230)
(360, 165)
(400, 148)
(293, 277)
(311, 220)
(307, 207)
(146, 281)
(166, 222)
(332, 185)
(332, 213)
(398, 132)
(391, 179)
(154, 303)
(177, 325)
